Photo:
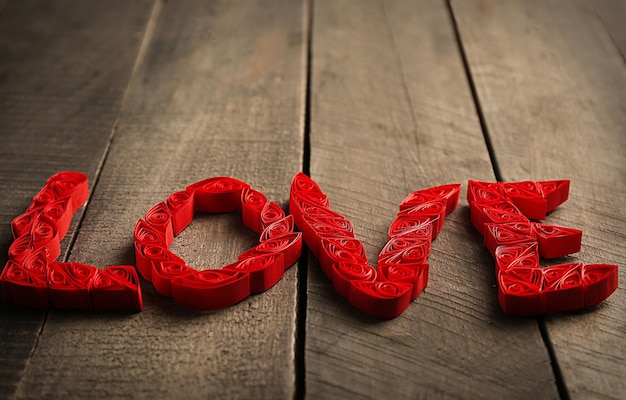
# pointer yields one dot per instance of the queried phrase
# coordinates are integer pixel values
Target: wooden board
(392, 112)
(612, 13)
(221, 92)
(64, 71)
(556, 108)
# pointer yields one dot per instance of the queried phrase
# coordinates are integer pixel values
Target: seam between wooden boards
(541, 324)
(141, 54)
(472, 86)
(303, 262)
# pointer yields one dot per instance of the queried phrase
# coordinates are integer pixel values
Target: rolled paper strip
(507, 233)
(116, 288)
(522, 188)
(449, 193)
(599, 282)
(271, 213)
(344, 273)
(181, 208)
(383, 300)
(336, 250)
(566, 292)
(404, 250)
(415, 275)
(211, 289)
(69, 284)
(164, 272)
(298, 206)
(417, 253)
(290, 246)
(435, 209)
(146, 234)
(312, 231)
(81, 273)
(23, 223)
(259, 268)
(264, 270)
(532, 276)
(282, 227)
(318, 199)
(72, 184)
(44, 234)
(252, 203)
(553, 274)
(307, 189)
(556, 192)
(413, 226)
(330, 225)
(217, 195)
(556, 241)
(416, 198)
(42, 199)
(479, 191)
(21, 248)
(527, 197)
(159, 218)
(317, 228)
(509, 256)
(146, 255)
(23, 288)
(517, 294)
(59, 213)
(494, 212)
(37, 263)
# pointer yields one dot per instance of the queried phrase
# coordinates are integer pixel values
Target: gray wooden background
(374, 99)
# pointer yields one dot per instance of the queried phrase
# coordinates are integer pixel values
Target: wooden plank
(556, 108)
(221, 93)
(613, 14)
(65, 67)
(392, 112)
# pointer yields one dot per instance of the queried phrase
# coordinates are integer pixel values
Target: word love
(256, 270)
(501, 212)
(32, 279)
(402, 272)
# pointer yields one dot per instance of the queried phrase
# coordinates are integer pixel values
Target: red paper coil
(402, 270)
(31, 278)
(500, 211)
(256, 270)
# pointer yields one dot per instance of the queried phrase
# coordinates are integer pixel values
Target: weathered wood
(392, 112)
(220, 93)
(552, 85)
(613, 14)
(64, 70)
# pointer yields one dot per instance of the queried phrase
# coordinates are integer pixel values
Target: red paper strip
(32, 279)
(402, 270)
(256, 270)
(501, 212)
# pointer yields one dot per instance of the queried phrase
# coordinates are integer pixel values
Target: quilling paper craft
(504, 213)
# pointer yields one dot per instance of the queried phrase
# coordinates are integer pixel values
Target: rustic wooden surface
(65, 67)
(374, 99)
(558, 108)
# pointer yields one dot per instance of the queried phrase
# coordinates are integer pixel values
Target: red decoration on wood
(402, 272)
(32, 279)
(502, 213)
(255, 271)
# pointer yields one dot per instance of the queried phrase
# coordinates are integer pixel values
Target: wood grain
(221, 92)
(64, 69)
(612, 13)
(392, 112)
(556, 108)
